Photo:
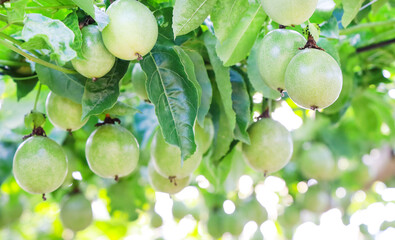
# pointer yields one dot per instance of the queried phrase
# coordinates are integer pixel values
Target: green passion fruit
(112, 151)
(162, 184)
(132, 31)
(276, 50)
(313, 79)
(289, 12)
(40, 165)
(96, 60)
(166, 159)
(271, 146)
(76, 212)
(64, 113)
(139, 78)
(317, 162)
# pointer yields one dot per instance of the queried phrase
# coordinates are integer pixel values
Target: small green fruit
(313, 79)
(180, 210)
(156, 220)
(317, 162)
(97, 61)
(289, 12)
(76, 212)
(276, 50)
(34, 119)
(132, 30)
(316, 200)
(139, 78)
(40, 165)
(271, 146)
(112, 151)
(64, 113)
(162, 184)
(167, 159)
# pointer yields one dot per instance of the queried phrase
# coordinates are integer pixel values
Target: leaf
(24, 87)
(103, 93)
(101, 18)
(226, 14)
(351, 9)
(189, 14)
(330, 29)
(144, 123)
(241, 106)
(189, 69)
(164, 18)
(66, 85)
(238, 43)
(222, 79)
(255, 77)
(223, 136)
(17, 14)
(174, 95)
(204, 82)
(57, 36)
(87, 6)
(71, 21)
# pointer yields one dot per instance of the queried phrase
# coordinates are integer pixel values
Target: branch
(35, 59)
(358, 28)
(376, 45)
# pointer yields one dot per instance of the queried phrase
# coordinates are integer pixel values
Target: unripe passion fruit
(289, 12)
(313, 79)
(40, 165)
(76, 212)
(162, 184)
(97, 61)
(167, 159)
(139, 78)
(132, 31)
(317, 162)
(112, 151)
(271, 146)
(277, 49)
(316, 200)
(64, 113)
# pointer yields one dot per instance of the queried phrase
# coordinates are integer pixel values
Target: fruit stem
(108, 120)
(37, 96)
(281, 26)
(116, 178)
(139, 57)
(44, 198)
(311, 43)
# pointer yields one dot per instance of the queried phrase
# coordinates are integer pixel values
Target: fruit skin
(289, 12)
(179, 210)
(97, 61)
(139, 78)
(40, 165)
(132, 29)
(204, 136)
(156, 220)
(216, 224)
(76, 212)
(166, 159)
(112, 151)
(271, 146)
(64, 113)
(162, 184)
(313, 79)
(316, 200)
(277, 49)
(317, 162)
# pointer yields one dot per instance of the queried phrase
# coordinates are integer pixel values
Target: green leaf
(24, 87)
(189, 14)
(87, 6)
(66, 85)
(174, 95)
(223, 136)
(71, 21)
(241, 106)
(225, 16)
(164, 18)
(330, 29)
(101, 18)
(254, 75)
(17, 14)
(204, 82)
(103, 93)
(39, 29)
(351, 9)
(238, 43)
(222, 79)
